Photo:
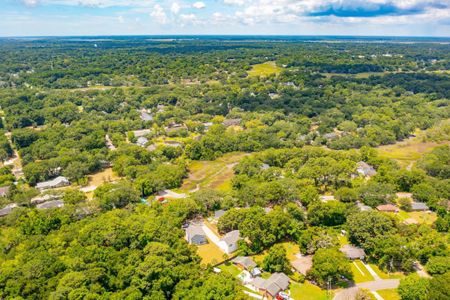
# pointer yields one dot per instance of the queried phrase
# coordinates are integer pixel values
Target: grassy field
(360, 273)
(291, 250)
(410, 150)
(265, 69)
(421, 217)
(390, 294)
(230, 268)
(214, 174)
(307, 291)
(357, 75)
(210, 253)
(384, 275)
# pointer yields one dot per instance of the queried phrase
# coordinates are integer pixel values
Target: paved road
(382, 284)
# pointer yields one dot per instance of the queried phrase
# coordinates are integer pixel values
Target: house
(365, 169)
(51, 204)
(326, 198)
(4, 191)
(59, 181)
(388, 208)
(419, 206)
(229, 243)
(244, 262)
(270, 287)
(303, 264)
(363, 207)
(352, 252)
(145, 115)
(142, 132)
(195, 235)
(142, 141)
(7, 209)
(174, 127)
(232, 122)
(404, 195)
(44, 198)
(219, 213)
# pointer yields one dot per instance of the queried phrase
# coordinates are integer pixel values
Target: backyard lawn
(230, 268)
(265, 69)
(360, 272)
(307, 291)
(210, 253)
(422, 217)
(390, 294)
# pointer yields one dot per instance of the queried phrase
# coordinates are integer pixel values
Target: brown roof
(303, 264)
(387, 207)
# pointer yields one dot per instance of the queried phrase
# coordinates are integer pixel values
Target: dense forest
(304, 116)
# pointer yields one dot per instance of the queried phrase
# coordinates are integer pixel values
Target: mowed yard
(265, 69)
(214, 174)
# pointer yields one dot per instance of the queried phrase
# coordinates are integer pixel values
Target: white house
(54, 183)
(229, 243)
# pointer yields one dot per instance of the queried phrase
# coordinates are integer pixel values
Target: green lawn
(230, 268)
(391, 294)
(265, 69)
(384, 275)
(421, 217)
(307, 291)
(357, 275)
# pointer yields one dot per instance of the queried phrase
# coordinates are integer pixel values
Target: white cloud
(234, 2)
(199, 5)
(30, 2)
(121, 19)
(159, 14)
(175, 8)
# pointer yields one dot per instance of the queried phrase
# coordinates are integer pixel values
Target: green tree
(330, 265)
(413, 287)
(276, 260)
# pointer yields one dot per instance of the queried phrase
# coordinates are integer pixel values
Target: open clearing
(410, 150)
(97, 179)
(265, 69)
(422, 217)
(214, 174)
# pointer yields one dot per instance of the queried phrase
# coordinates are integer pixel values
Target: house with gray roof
(7, 209)
(352, 252)
(244, 262)
(195, 235)
(57, 182)
(270, 287)
(419, 206)
(219, 213)
(365, 169)
(229, 242)
(51, 204)
(232, 122)
(4, 191)
(44, 198)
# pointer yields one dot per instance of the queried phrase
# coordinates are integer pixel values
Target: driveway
(211, 235)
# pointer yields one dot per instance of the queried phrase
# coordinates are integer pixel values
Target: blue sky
(274, 17)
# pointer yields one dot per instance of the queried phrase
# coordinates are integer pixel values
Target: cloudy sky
(278, 17)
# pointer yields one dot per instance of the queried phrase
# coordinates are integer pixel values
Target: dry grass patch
(265, 69)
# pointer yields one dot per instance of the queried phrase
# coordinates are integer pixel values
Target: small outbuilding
(419, 206)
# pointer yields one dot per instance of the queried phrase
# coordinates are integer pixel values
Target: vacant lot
(214, 174)
(265, 69)
(308, 291)
(410, 150)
